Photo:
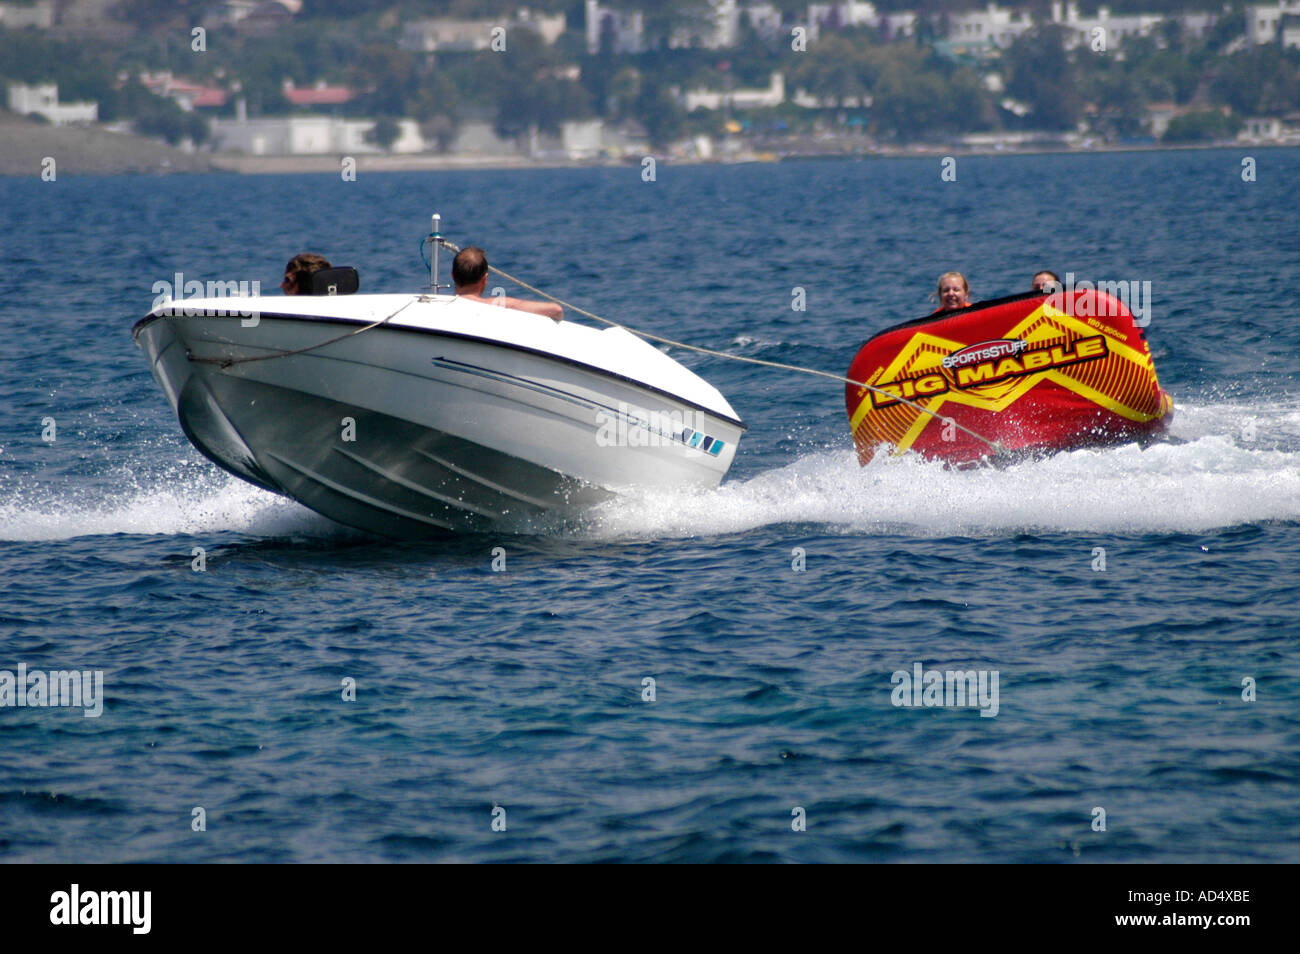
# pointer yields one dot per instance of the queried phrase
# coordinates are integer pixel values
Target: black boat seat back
(335, 281)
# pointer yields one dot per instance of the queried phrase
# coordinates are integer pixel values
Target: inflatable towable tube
(1032, 373)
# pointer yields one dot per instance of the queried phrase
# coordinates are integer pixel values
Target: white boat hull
(439, 422)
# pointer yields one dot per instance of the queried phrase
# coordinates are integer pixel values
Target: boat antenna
(435, 236)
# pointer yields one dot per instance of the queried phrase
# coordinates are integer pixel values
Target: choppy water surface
(1119, 688)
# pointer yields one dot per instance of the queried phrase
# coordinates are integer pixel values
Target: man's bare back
(469, 271)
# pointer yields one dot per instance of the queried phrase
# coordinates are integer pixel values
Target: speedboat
(408, 414)
(1018, 376)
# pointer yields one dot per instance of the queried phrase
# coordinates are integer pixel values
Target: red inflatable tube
(1033, 373)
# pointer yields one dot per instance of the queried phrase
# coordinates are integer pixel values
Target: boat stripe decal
(688, 437)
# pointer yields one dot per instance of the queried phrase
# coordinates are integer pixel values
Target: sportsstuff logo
(985, 351)
(989, 362)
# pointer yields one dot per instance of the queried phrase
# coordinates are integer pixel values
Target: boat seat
(335, 281)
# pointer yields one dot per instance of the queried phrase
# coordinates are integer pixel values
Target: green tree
(623, 92)
(1169, 73)
(388, 78)
(1209, 125)
(1121, 102)
(910, 104)
(542, 105)
(832, 70)
(1042, 75)
(1259, 81)
(661, 114)
(970, 105)
(165, 120)
(439, 130)
(1227, 29)
(384, 132)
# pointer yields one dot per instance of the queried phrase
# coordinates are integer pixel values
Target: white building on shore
(1267, 23)
(584, 140)
(42, 99)
(838, 16)
(444, 35)
(720, 29)
(1084, 31)
(16, 16)
(309, 136)
(898, 26)
(625, 29)
(773, 95)
(998, 26)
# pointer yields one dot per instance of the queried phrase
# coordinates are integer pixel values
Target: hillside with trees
(901, 91)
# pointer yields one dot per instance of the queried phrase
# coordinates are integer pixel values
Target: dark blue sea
(1163, 689)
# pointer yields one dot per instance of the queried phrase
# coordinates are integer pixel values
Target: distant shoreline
(272, 165)
(26, 147)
